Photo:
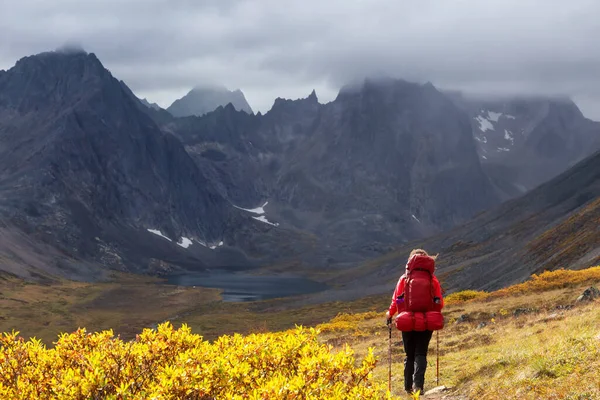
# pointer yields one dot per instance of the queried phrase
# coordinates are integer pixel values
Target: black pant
(416, 345)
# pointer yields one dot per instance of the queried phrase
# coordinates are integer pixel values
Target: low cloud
(273, 48)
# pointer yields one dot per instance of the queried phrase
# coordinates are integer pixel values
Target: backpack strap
(406, 278)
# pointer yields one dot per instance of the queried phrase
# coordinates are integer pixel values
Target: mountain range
(106, 181)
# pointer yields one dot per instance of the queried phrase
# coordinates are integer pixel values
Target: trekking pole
(390, 356)
(437, 354)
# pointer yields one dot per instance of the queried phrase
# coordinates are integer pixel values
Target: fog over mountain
(272, 48)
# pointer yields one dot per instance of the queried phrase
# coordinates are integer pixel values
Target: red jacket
(393, 309)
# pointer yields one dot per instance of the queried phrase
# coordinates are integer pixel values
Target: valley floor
(130, 303)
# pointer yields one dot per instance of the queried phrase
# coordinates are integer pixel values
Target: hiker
(418, 302)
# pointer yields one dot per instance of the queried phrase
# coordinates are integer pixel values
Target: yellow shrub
(176, 364)
(549, 280)
(464, 295)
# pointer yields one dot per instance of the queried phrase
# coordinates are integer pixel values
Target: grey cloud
(272, 48)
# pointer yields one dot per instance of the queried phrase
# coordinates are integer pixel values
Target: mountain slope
(204, 99)
(78, 158)
(553, 226)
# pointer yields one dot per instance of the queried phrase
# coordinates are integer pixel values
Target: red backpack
(418, 297)
(418, 289)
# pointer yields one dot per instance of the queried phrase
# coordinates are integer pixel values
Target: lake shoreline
(242, 286)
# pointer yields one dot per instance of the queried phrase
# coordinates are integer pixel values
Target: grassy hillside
(570, 242)
(527, 341)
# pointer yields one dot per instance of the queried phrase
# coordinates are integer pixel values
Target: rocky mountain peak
(87, 157)
(51, 76)
(281, 103)
(390, 90)
(203, 99)
(54, 63)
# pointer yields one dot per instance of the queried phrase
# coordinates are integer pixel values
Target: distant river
(239, 287)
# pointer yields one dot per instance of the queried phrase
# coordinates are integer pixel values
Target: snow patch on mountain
(258, 210)
(159, 233)
(509, 136)
(261, 211)
(494, 116)
(484, 124)
(487, 119)
(264, 219)
(212, 247)
(503, 149)
(217, 245)
(185, 242)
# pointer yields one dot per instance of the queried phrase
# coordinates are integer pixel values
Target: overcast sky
(285, 48)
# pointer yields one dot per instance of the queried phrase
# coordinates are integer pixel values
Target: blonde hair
(421, 251)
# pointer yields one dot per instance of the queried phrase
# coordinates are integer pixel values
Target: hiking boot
(420, 389)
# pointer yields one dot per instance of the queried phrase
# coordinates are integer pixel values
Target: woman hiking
(418, 301)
